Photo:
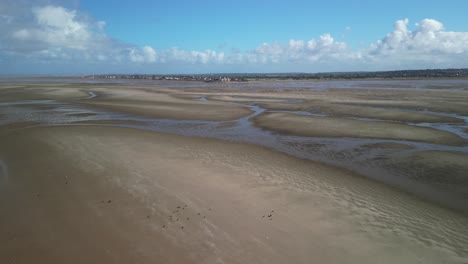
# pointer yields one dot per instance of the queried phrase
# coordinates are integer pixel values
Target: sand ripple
(380, 211)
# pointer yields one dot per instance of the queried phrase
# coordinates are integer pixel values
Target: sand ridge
(162, 105)
(314, 126)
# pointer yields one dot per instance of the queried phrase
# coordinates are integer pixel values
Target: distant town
(244, 77)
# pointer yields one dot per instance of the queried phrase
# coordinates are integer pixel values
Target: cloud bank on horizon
(55, 35)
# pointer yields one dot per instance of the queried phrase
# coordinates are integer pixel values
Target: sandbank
(343, 127)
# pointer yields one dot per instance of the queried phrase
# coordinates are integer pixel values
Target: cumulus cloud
(56, 27)
(192, 56)
(297, 51)
(428, 45)
(428, 42)
(144, 54)
(56, 33)
(48, 33)
(51, 32)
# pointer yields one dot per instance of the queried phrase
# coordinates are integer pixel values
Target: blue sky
(246, 24)
(81, 37)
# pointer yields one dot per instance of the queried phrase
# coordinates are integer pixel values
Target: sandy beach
(148, 174)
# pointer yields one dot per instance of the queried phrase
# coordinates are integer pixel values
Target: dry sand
(88, 194)
(313, 126)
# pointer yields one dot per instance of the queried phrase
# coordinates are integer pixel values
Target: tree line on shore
(242, 77)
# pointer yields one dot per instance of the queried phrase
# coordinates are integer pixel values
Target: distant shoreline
(248, 77)
(429, 74)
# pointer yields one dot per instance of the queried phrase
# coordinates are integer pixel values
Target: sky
(76, 37)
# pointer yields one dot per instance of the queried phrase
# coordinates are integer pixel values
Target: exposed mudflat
(264, 172)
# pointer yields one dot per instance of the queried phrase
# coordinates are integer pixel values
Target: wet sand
(159, 105)
(387, 146)
(313, 126)
(79, 184)
(123, 195)
(40, 92)
(342, 110)
(394, 103)
(333, 105)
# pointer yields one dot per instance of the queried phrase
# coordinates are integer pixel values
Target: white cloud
(53, 34)
(428, 40)
(141, 55)
(58, 27)
(301, 51)
(149, 53)
(33, 31)
(430, 25)
(192, 56)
